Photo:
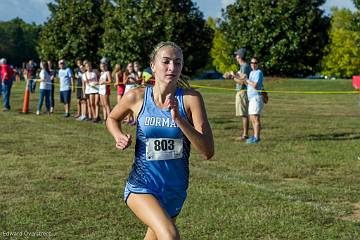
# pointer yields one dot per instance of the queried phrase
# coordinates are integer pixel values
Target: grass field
(63, 179)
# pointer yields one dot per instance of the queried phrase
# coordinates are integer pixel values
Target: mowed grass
(66, 178)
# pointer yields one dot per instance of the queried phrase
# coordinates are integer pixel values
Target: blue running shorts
(170, 200)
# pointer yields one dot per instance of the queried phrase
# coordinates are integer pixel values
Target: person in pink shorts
(117, 75)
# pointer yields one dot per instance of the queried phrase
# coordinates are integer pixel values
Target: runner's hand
(172, 105)
(123, 141)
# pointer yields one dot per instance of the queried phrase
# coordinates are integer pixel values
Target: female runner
(169, 118)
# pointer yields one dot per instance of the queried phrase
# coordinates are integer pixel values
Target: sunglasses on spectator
(253, 62)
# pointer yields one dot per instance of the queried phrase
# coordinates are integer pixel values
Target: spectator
(7, 74)
(87, 95)
(104, 89)
(66, 84)
(0, 78)
(91, 81)
(79, 90)
(17, 74)
(148, 78)
(31, 75)
(53, 74)
(119, 84)
(45, 87)
(139, 73)
(24, 71)
(241, 99)
(254, 86)
(130, 81)
(130, 77)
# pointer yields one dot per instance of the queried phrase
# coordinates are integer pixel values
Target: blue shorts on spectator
(65, 96)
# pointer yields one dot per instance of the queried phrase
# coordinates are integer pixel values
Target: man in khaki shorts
(241, 99)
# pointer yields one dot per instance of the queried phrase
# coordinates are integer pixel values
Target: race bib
(163, 148)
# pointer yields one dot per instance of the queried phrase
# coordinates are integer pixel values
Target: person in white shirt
(45, 87)
(104, 89)
(66, 84)
(91, 81)
(256, 104)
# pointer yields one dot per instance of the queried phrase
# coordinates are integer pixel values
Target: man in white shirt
(66, 84)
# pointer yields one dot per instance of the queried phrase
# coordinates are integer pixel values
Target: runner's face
(167, 65)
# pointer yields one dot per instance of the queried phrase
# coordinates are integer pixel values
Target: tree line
(18, 41)
(125, 30)
(291, 38)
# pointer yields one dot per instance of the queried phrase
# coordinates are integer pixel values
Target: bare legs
(78, 108)
(67, 108)
(105, 102)
(94, 106)
(255, 121)
(245, 120)
(241, 109)
(147, 208)
(84, 109)
(88, 107)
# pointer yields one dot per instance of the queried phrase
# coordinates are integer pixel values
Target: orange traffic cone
(25, 108)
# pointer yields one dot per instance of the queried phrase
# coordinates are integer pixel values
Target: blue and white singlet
(162, 151)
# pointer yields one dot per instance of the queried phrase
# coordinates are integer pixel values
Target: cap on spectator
(104, 60)
(3, 61)
(241, 52)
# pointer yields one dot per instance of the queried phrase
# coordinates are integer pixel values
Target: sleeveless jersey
(162, 150)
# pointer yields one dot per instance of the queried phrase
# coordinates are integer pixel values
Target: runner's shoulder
(191, 93)
(135, 94)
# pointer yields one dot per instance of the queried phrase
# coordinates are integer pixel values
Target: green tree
(221, 52)
(357, 4)
(287, 36)
(343, 52)
(342, 19)
(73, 30)
(135, 27)
(18, 41)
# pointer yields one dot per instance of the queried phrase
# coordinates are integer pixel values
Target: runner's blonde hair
(182, 82)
